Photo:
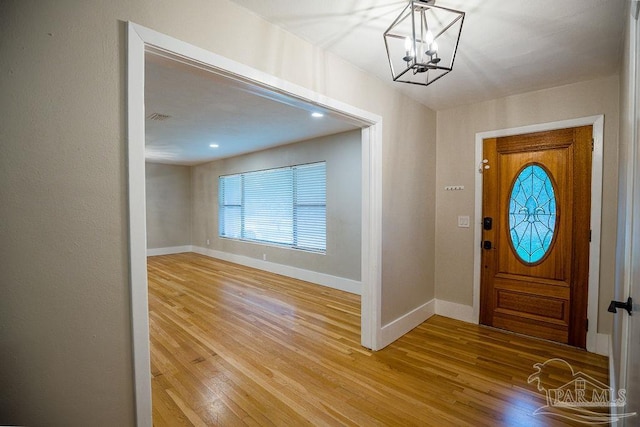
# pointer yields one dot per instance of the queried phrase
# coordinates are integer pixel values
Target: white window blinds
(284, 206)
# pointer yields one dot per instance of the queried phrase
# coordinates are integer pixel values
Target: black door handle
(617, 304)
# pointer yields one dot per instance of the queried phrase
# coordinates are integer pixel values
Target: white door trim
(142, 40)
(138, 228)
(631, 250)
(596, 213)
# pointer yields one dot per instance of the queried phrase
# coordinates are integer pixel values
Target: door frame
(141, 40)
(593, 343)
(628, 285)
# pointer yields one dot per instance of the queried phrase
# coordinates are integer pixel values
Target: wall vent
(158, 117)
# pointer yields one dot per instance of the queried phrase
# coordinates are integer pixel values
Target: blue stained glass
(532, 213)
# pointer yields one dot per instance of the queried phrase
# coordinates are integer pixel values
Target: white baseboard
(394, 330)
(169, 250)
(613, 381)
(340, 283)
(603, 344)
(455, 311)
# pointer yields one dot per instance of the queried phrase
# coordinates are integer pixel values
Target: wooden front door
(536, 231)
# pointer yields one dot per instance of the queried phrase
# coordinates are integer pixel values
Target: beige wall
(342, 152)
(408, 211)
(457, 128)
(65, 328)
(168, 196)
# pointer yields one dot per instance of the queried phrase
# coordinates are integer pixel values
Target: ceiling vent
(158, 117)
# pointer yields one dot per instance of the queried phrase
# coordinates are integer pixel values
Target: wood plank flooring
(234, 346)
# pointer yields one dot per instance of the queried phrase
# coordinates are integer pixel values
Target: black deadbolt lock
(487, 223)
(486, 244)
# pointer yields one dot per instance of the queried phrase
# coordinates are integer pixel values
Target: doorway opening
(142, 40)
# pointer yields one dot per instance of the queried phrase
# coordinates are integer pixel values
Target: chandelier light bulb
(434, 53)
(429, 37)
(408, 47)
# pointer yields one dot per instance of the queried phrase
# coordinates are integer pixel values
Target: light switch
(463, 221)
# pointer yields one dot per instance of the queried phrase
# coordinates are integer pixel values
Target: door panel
(535, 270)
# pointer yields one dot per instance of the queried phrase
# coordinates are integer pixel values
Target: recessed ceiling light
(316, 114)
(213, 145)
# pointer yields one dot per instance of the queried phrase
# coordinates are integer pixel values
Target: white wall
(626, 197)
(342, 152)
(168, 194)
(65, 322)
(456, 166)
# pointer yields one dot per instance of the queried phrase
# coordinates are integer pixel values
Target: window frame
(295, 208)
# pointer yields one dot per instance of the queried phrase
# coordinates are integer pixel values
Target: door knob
(617, 304)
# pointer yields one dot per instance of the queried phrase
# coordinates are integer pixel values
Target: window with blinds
(283, 206)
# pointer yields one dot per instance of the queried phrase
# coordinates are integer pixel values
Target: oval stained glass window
(532, 213)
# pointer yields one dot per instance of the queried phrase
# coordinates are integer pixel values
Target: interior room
(242, 131)
(434, 289)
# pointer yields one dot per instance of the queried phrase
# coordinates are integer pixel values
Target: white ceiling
(205, 108)
(506, 47)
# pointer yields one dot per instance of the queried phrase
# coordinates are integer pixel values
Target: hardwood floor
(235, 346)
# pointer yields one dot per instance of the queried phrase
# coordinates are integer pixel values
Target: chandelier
(422, 42)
